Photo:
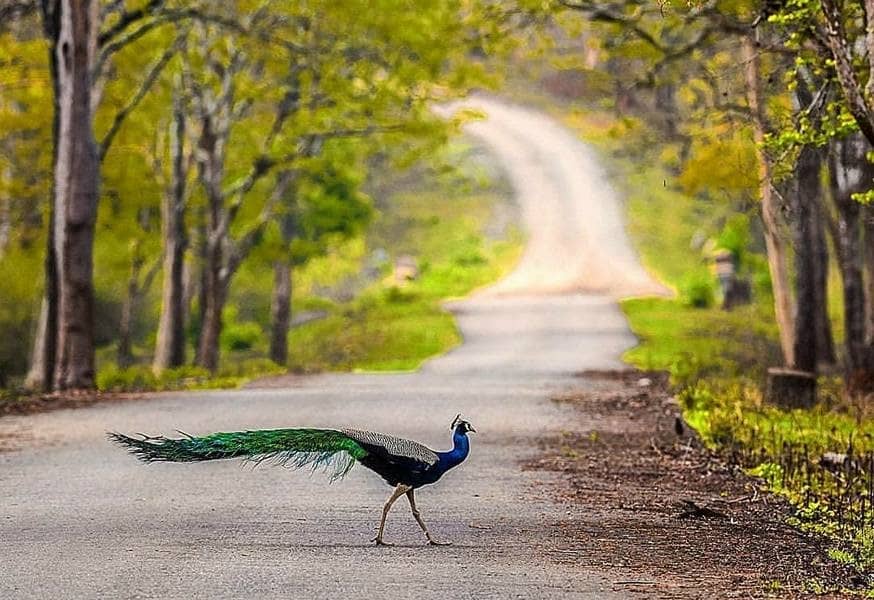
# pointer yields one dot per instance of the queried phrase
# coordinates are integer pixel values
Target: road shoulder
(629, 473)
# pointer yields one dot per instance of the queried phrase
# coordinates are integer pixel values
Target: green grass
(691, 343)
(141, 378)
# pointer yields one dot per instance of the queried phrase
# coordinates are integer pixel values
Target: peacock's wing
(393, 445)
(397, 460)
(295, 448)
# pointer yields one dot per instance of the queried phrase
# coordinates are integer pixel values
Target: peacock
(404, 464)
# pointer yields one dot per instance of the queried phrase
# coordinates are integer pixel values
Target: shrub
(735, 235)
(241, 336)
(697, 289)
(132, 379)
(397, 295)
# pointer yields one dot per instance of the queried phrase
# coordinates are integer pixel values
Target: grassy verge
(821, 460)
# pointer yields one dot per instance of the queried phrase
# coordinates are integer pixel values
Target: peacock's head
(459, 425)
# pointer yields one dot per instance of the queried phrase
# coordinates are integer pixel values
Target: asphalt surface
(79, 518)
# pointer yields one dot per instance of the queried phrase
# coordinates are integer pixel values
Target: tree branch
(868, 7)
(135, 100)
(247, 241)
(127, 19)
(16, 9)
(835, 38)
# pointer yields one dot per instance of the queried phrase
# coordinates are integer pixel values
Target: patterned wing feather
(394, 445)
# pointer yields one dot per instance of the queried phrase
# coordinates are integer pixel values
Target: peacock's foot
(436, 543)
(381, 542)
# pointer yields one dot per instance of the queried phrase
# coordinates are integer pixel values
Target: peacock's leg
(411, 496)
(399, 491)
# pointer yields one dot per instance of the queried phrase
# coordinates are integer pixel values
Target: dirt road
(80, 518)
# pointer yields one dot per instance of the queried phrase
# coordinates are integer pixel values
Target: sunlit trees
(795, 79)
(209, 118)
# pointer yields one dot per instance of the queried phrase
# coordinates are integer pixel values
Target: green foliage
(785, 450)
(697, 289)
(19, 306)
(720, 165)
(141, 378)
(132, 379)
(693, 343)
(324, 89)
(735, 235)
(241, 336)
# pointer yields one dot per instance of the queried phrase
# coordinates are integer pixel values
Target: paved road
(80, 518)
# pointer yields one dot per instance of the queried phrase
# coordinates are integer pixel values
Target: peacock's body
(404, 464)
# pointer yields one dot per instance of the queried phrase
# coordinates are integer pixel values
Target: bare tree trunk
(813, 338)
(214, 298)
(825, 344)
(77, 179)
(851, 173)
(770, 210)
(280, 311)
(124, 352)
(666, 109)
(806, 197)
(868, 213)
(44, 353)
(5, 222)
(136, 291)
(211, 148)
(170, 343)
(35, 379)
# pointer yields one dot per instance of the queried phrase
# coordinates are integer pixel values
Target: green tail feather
(294, 448)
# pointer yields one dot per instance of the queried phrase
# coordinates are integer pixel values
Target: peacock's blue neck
(460, 449)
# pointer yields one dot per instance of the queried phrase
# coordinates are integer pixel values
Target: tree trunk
(280, 312)
(76, 193)
(851, 173)
(170, 343)
(124, 355)
(36, 375)
(214, 298)
(5, 220)
(825, 344)
(806, 197)
(770, 210)
(44, 353)
(868, 213)
(666, 109)
(136, 290)
(813, 337)
(788, 388)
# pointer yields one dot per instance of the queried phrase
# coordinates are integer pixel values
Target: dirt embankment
(666, 517)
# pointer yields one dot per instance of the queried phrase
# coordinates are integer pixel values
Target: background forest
(231, 147)
(192, 194)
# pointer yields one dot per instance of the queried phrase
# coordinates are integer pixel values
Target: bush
(241, 336)
(397, 295)
(132, 379)
(735, 235)
(697, 289)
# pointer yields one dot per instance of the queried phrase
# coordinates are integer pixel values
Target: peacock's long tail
(295, 448)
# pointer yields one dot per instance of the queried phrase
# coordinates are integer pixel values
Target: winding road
(80, 518)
